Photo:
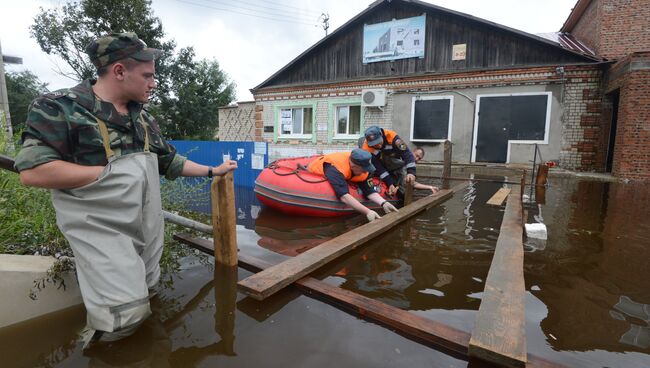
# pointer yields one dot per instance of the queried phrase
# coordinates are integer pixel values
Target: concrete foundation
(17, 276)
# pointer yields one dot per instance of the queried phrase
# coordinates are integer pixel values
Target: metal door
(493, 130)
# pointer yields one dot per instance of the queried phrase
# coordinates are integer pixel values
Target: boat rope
(274, 166)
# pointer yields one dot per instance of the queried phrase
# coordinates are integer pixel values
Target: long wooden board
(405, 323)
(498, 197)
(269, 281)
(499, 334)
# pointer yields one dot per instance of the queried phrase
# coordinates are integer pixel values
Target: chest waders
(115, 228)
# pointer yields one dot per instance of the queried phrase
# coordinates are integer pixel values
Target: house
(434, 74)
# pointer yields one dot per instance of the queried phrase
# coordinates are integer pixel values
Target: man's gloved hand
(388, 207)
(372, 215)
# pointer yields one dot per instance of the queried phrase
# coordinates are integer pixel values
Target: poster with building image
(397, 39)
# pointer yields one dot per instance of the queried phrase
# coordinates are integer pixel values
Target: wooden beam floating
(403, 322)
(498, 197)
(273, 279)
(499, 334)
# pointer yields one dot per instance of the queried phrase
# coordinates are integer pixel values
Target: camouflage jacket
(61, 125)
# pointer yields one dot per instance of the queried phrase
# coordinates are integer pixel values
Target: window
(296, 121)
(431, 118)
(348, 121)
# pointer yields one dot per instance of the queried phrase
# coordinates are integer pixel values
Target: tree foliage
(188, 93)
(194, 105)
(66, 31)
(22, 88)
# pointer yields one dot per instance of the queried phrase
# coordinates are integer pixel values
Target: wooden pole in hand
(224, 231)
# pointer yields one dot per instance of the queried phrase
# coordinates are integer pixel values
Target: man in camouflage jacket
(100, 152)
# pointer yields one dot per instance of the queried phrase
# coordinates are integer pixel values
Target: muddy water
(588, 291)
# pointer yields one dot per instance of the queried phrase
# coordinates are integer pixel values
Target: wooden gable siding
(488, 47)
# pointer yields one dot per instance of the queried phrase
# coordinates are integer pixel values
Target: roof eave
(576, 14)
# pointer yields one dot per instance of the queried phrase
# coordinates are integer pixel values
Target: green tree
(199, 87)
(66, 31)
(188, 93)
(22, 88)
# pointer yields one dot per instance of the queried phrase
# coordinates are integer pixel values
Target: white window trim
(295, 136)
(510, 142)
(449, 124)
(346, 136)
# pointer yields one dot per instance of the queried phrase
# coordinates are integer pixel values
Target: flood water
(588, 290)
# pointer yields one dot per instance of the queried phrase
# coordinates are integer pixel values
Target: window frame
(449, 123)
(277, 134)
(333, 122)
(338, 135)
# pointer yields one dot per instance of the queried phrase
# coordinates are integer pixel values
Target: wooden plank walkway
(499, 334)
(498, 197)
(405, 323)
(273, 279)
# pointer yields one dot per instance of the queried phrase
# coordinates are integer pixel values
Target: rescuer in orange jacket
(389, 154)
(355, 166)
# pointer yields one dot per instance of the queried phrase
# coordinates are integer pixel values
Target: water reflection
(291, 235)
(588, 301)
(594, 275)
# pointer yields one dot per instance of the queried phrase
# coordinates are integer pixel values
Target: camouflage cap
(116, 46)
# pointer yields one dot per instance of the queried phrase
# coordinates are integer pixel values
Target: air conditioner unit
(373, 97)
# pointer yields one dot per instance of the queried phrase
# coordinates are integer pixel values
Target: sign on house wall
(397, 39)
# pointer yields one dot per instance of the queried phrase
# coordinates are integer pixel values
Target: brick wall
(587, 28)
(615, 28)
(632, 151)
(583, 133)
(582, 136)
(624, 27)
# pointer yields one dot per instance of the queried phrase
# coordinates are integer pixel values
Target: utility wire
(295, 7)
(282, 11)
(286, 19)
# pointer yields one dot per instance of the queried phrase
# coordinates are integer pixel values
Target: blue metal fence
(251, 157)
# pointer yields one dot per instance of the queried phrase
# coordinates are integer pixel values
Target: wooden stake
(225, 296)
(408, 193)
(446, 170)
(224, 223)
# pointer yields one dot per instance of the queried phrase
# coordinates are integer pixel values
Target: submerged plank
(499, 334)
(269, 281)
(403, 322)
(498, 197)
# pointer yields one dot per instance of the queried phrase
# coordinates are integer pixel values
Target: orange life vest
(341, 161)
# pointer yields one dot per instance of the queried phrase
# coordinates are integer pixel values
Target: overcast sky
(252, 39)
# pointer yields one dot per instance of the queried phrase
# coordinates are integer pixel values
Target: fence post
(408, 193)
(446, 169)
(224, 223)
